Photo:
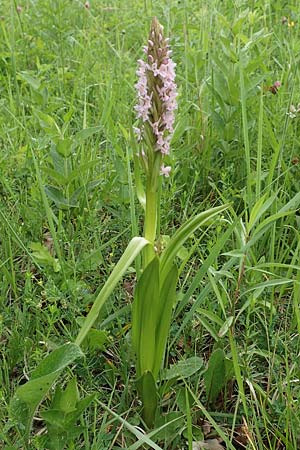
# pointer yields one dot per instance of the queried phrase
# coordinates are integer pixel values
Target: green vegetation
(69, 209)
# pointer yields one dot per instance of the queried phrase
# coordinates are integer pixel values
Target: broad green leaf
(181, 235)
(133, 249)
(172, 423)
(215, 375)
(181, 402)
(183, 369)
(66, 407)
(80, 407)
(43, 256)
(238, 24)
(48, 124)
(80, 170)
(86, 133)
(34, 82)
(64, 147)
(167, 298)
(211, 316)
(41, 253)
(209, 327)
(28, 396)
(145, 316)
(69, 397)
(56, 175)
(90, 261)
(57, 196)
(148, 392)
(183, 253)
(229, 369)
(55, 417)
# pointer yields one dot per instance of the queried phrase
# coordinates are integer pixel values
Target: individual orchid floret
(294, 111)
(165, 171)
(157, 93)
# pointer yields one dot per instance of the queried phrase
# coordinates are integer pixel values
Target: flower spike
(157, 94)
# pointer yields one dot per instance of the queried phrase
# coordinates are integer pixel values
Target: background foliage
(67, 211)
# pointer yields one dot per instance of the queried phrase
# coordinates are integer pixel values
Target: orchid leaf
(181, 235)
(148, 392)
(132, 251)
(146, 311)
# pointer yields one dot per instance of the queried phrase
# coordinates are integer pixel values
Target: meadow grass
(68, 210)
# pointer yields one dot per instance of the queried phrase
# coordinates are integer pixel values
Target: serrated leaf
(95, 339)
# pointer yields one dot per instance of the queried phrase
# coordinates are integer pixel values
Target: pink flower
(19, 9)
(165, 171)
(144, 105)
(157, 92)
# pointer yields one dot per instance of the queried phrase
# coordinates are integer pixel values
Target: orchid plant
(155, 292)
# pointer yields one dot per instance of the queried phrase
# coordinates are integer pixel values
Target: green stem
(150, 222)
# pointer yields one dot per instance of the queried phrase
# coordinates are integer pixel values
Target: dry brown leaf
(206, 428)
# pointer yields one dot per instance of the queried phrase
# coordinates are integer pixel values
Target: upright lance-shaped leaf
(181, 235)
(148, 392)
(146, 310)
(133, 249)
(167, 299)
(215, 375)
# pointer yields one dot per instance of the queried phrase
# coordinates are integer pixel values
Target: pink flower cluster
(144, 106)
(157, 92)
